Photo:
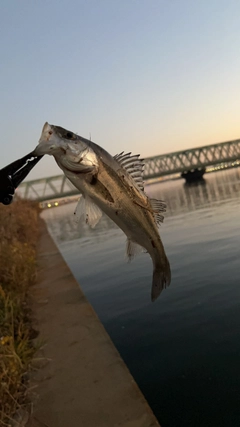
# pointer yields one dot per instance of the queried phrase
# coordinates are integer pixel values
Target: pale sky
(147, 76)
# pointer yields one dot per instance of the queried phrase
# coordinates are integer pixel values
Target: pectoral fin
(88, 210)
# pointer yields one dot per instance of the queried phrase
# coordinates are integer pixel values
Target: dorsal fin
(133, 165)
(158, 207)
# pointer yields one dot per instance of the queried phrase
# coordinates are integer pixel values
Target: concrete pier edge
(83, 382)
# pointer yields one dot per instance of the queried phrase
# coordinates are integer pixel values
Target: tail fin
(161, 279)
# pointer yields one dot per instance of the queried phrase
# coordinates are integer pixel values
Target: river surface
(184, 349)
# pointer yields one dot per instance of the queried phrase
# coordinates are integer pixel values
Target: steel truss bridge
(155, 167)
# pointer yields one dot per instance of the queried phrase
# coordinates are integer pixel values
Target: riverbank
(83, 380)
(18, 240)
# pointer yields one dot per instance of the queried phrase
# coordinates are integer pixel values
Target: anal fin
(88, 210)
(132, 249)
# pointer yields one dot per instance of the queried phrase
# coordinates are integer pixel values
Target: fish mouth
(47, 131)
(49, 142)
(48, 148)
(44, 148)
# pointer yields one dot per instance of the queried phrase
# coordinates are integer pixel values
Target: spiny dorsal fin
(133, 165)
(132, 249)
(159, 207)
(88, 210)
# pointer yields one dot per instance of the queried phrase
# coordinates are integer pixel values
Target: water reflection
(180, 198)
(215, 188)
(63, 226)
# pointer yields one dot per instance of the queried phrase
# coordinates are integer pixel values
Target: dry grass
(18, 238)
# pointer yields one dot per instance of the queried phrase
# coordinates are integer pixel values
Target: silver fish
(113, 185)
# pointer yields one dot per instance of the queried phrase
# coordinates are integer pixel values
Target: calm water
(183, 350)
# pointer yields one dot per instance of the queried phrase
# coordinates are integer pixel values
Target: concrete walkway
(85, 383)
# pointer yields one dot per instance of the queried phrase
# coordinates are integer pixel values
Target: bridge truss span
(196, 158)
(47, 188)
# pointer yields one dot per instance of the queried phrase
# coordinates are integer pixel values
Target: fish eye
(69, 135)
(50, 132)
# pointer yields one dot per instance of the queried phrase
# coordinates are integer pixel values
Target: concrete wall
(83, 381)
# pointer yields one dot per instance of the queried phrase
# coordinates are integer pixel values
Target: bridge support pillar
(193, 175)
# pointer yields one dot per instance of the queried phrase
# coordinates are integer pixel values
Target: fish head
(56, 140)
